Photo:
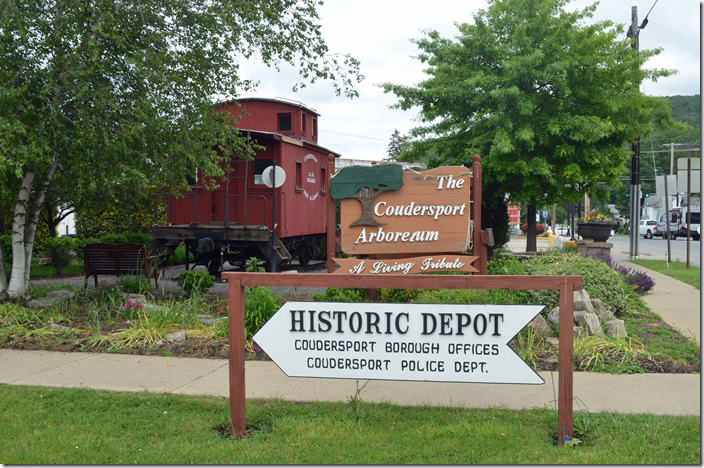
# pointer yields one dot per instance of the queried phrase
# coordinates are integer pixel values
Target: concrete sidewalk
(676, 394)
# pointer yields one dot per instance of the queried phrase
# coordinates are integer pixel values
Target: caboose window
(299, 176)
(323, 180)
(285, 122)
(304, 120)
(315, 127)
(259, 166)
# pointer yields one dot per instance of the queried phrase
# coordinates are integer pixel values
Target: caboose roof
(289, 102)
(288, 139)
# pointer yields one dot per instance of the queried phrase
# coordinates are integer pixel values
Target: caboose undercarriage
(212, 245)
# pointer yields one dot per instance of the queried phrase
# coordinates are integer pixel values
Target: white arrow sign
(426, 342)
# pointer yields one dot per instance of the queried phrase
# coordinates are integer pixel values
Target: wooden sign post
(566, 285)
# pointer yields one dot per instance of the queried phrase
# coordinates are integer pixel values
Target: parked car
(648, 228)
(561, 230)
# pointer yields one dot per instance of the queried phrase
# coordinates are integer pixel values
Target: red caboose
(234, 222)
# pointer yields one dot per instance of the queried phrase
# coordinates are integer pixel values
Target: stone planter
(598, 232)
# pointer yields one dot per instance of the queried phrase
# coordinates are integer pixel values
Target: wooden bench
(117, 259)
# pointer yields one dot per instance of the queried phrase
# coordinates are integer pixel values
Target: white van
(695, 216)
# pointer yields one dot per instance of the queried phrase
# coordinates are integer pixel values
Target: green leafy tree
(117, 95)
(551, 104)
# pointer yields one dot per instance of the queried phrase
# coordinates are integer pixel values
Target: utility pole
(633, 33)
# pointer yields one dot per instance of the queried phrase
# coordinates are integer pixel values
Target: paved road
(656, 249)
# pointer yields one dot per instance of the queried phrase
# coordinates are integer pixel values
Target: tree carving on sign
(365, 183)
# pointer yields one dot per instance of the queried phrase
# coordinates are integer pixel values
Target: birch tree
(98, 95)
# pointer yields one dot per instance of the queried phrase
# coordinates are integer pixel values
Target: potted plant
(596, 227)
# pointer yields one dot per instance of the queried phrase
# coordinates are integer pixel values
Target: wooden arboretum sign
(386, 210)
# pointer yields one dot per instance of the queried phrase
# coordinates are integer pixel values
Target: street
(656, 249)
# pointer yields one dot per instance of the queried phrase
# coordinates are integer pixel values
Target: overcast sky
(378, 33)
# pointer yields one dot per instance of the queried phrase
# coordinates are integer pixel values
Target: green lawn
(676, 270)
(80, 426)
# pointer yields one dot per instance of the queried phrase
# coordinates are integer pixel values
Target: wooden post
(478, 246)
(332, 216)
(565, 363)
(235, 327)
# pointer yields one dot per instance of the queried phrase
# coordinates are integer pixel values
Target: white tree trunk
(18, 285)
(3, 278)
(24, 227)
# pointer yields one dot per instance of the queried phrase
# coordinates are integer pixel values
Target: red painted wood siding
(262, 116)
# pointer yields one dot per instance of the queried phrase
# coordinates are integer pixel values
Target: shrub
(195, 282)
(114, 239)
(462, 296)
(255, 265)
(342, 295)
(504, 265)
(59, 251)
(403, 296)
(133, 284)
(600, 281)
(260, 304)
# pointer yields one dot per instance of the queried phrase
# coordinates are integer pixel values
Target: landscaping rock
(579, 333)
(608, 316)
(206, 320)
(589, 322)
(553, 341)
(601, 311)
(51, 298)
(540, 327)
(151, 308)
(554, 316)
(615, 328)
(136, 298)
(177, 337)
(56, 326)
(599, 307)
(582, 301)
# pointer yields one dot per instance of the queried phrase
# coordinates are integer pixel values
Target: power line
(354, 136)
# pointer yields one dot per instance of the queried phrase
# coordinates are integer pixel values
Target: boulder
(51, 298)
(206, 320)
(599, 307)
(601, 311)
(540, 327)
(608, 316)
(554, 316)
(589, 322)
(553, 341)
(615, 328)
(176, 337)
(579, 333)
(582, 301)
(141, 298)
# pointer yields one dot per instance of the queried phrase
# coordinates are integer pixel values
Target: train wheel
(303, 254)
(214, 266)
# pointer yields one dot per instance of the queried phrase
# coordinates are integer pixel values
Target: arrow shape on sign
(424, 342)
